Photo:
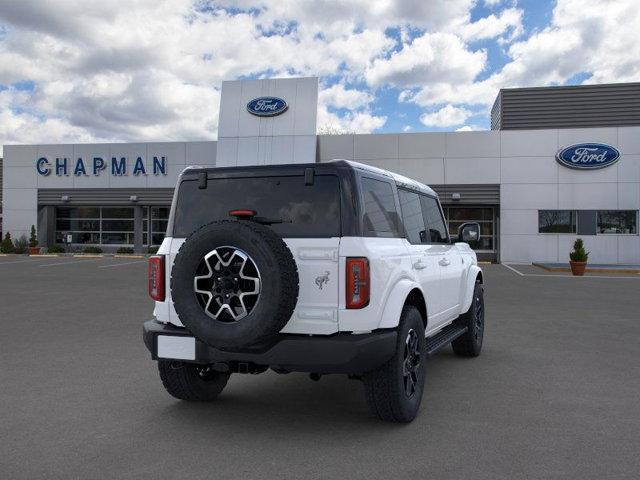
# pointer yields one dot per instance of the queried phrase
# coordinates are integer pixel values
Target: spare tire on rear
(234, 284)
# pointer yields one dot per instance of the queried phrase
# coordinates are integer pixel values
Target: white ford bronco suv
(322, 268)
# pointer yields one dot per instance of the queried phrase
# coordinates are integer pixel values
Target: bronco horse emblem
(322, 279)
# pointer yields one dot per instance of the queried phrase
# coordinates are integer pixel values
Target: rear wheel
(470, 344)
(394, 390)
(187, 381)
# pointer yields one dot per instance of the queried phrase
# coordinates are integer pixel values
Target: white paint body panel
(392, 263)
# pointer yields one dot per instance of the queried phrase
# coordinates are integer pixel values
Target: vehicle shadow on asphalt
(293, 403)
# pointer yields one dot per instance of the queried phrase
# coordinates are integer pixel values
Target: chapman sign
(96, 165)
(267, 106)
(588, 156)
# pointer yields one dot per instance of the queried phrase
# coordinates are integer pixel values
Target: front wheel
(187, 381)
(394, 390)
(470, 344)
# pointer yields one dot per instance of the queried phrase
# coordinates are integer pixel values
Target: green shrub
(21, 244)
(92, 250)
(153, 249)
(124, 250)
(7, 245)
(579, 254)
(55, 249)
(33, 238)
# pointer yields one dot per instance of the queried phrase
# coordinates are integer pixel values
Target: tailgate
(317, 308)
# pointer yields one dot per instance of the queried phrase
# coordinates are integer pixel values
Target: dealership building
(559, 162)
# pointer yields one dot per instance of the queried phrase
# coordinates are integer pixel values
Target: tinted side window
(380, 215)
(412, 216)
(433, 219)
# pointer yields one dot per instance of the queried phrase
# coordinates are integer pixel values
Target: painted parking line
(122, 264)
(510, 267)
(69, 263)
(30, 260)
(513, 269)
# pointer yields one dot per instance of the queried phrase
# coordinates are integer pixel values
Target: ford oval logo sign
(588, 156)
(267, 106)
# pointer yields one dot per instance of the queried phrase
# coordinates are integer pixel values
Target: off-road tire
(279, 284)
(187, 381)
(385, 387)
(470, 344)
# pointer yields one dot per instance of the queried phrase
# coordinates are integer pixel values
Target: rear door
(424, 259)
(447, 256)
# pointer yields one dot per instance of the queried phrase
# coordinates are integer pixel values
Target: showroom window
(556, 221)
(618, 222)
(95, 225)
(158, 227)
(456, 216)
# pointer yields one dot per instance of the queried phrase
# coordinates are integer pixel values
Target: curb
(589, 270)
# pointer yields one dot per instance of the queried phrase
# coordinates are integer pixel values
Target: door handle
(444, 262)
(419, 265)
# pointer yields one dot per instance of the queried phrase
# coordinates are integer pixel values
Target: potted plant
(7, 244)
(33, 242)
(21, 245)
(578, 258)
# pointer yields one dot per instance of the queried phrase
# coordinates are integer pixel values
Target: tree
(7, 244)
(33, 239)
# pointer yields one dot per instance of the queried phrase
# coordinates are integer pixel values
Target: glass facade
(456, 216)
(618, 222)
(109, 225)
(556, 221)
(158, 226)
(588, 222)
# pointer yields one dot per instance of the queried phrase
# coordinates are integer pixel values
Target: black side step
(443, 338)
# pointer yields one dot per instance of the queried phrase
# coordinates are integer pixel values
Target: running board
(443, 338)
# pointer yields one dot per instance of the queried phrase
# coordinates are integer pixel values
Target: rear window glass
(305, 210)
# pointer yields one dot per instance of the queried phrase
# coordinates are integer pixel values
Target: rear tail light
(156, 278)
(358, 282)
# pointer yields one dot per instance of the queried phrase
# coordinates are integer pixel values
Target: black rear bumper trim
(347, 353)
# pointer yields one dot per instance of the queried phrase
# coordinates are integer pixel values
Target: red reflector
(242, 213)
(156, 278)
(358, 282)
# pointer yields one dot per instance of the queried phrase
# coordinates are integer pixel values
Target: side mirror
(469, 232)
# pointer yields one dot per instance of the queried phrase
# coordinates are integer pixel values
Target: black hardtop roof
(334, 166)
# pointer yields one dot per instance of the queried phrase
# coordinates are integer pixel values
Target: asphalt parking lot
(555, 394)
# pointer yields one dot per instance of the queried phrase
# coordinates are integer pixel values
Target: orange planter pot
(578, 268)
(34, 250)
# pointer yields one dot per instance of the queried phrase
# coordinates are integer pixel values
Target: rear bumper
(339, 353)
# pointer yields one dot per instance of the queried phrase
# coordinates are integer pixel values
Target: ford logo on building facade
(588, 156)
(267, 106)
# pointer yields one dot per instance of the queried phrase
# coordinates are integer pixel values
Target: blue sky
(77, 71)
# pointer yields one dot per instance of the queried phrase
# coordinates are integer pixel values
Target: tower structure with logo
(265, 122)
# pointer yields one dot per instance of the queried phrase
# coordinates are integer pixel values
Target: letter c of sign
(42, 165)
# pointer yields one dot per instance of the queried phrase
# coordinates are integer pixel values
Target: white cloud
(151, 69)
(447, 116)
(583, 37)
(338, 96)
(469, 128)
(407, 128)
(351, 122)
(509, 20)
(432, 57)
